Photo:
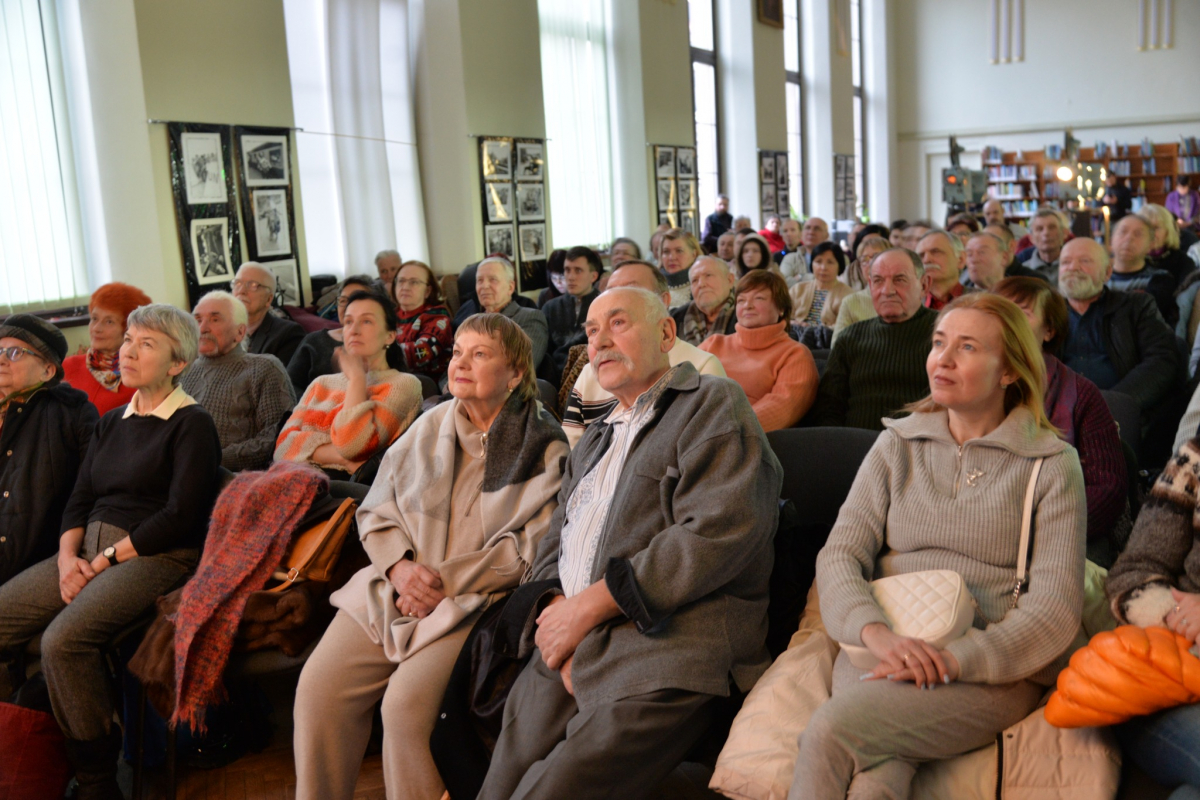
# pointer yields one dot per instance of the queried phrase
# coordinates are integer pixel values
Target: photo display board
(205, 207)
(512, 182)
(774, 192)
(675, 194)
(264, 170)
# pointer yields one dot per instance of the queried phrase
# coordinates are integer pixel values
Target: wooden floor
(270, 775)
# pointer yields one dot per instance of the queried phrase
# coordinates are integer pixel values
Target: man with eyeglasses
(266, 333)
(45, 429)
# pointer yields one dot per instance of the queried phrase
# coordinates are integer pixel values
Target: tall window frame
(794, 105)
(706, 102)
(860, 115)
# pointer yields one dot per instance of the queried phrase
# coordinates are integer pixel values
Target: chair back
(449, 284)
(1128, 415)
(549, 397)
(428, 387)
(819, 464)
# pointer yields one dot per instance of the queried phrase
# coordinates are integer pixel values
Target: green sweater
(875, 369)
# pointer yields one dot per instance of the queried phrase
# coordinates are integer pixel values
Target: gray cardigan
(686, 550)
(921, 502)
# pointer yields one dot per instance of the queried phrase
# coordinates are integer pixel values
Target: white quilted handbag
(935, 604)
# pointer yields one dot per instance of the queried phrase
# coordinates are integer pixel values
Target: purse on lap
(935, 605)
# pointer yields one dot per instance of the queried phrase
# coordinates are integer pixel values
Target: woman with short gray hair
(131, 531)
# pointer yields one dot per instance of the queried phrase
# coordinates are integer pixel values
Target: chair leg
(139, 736)
(171, 738)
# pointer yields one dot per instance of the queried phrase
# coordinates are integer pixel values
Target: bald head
(629, 336)
(993, 212)
(254, 285)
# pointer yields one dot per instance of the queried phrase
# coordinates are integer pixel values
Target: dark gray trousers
(74, 636)
(551, 749)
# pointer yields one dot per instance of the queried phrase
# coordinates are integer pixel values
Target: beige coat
(802, 300)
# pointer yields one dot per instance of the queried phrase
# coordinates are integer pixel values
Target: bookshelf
(1024, 180)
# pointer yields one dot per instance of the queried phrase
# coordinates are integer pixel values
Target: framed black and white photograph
(666, 218)
(500, 239)
(770, 12)
(685, 162)
(687, 195)
(531, 202)
(497, 159)
(202, 166)
(767, 169)
(499, 202)
(687, 221)
(211, 250)
(287, 281)
(666, 194)
(781, 202)
(265, 160)
(533, 242)
(664, 161)
(272, 233)
(768, 199)
(781, 170)
(531, 162)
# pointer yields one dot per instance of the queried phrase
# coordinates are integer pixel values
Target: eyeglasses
(15, 354)
(251, 286)
(413, 282)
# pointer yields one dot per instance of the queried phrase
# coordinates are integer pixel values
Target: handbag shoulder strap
(1026, 529)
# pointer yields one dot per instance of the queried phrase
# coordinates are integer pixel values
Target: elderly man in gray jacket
(648, 597)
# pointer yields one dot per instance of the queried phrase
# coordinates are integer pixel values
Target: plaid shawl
(247, 540)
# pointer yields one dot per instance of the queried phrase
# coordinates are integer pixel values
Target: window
(795, 106)
(575, 92)
(702, 34)
(42, 263)
(860, 123)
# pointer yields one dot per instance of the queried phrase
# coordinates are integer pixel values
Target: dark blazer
(566, 327)
(276, 337)
(1141, 347)
(42, 443)
(686, 549)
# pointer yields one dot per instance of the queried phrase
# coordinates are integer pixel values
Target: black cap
(43, 337)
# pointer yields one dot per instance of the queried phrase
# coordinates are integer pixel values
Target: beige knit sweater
(921, 502)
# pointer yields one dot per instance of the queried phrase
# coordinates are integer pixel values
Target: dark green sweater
(875, 369)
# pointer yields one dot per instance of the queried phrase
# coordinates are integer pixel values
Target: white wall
(1082, 70)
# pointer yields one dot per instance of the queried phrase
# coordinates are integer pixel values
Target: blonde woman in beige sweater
(943, 489)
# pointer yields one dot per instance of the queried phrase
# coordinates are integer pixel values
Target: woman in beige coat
(452, 522)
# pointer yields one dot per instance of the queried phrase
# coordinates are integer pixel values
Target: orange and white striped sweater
(394, 398)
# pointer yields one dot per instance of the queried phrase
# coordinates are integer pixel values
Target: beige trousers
(343, 679)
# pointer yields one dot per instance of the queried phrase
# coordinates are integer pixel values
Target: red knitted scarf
(252, 525)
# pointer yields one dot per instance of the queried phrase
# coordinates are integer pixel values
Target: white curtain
(351, 66)
(575, 91)
(41, 253)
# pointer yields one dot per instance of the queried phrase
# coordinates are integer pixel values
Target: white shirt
(587, 507)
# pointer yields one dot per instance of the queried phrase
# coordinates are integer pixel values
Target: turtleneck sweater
(777, 374)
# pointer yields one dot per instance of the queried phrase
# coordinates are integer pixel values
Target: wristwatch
(111, 554)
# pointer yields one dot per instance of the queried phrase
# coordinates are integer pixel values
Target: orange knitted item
(1128, 672)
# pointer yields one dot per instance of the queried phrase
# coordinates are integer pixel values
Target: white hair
(655, 311)
(382, 254)
(955, 243)
(270, 276)
(509, 269)
(237, 307)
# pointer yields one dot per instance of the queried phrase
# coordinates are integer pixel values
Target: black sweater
(155, 478)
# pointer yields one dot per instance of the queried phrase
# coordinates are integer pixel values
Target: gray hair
(985, 235)
(1159, 217)
(955, 243)
(270, 276)
(1048, 211)
(509, 269)
(717, 262)
(240, 316)
(176, 325)
(382, 254)
(918, 267)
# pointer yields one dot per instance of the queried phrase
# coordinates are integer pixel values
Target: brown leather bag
(314, 551)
